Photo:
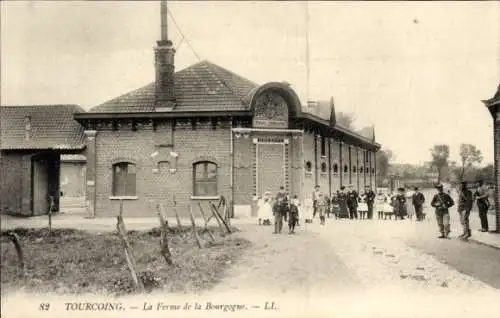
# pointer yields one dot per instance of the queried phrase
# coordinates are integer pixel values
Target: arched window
(124, 175)
(335, 168)
(354, 169)
(361, 169)
(308, 166)
(373, 170)
(204, 179)
(323, 167)
(346, 169)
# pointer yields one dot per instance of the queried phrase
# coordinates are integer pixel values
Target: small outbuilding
(32, 139)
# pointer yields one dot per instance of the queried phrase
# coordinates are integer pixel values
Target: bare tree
(440, 157)
(346, 120)
(383, 158)
(469, 155)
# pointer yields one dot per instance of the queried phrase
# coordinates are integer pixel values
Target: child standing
(362, 207)
(293, 214)
(380, 202)
(323, 203)
(265, 211)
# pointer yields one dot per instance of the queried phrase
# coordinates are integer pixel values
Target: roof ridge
(122, 95)
(211, 66)
(231, 72)
(41, 105)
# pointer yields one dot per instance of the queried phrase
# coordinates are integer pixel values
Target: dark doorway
(44, 182)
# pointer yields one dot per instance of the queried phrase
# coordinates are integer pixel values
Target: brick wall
(309, 178)
(334, 159)
(11, 187)
(155, 185)
(243, 169)
(323, 174)
(496, 128)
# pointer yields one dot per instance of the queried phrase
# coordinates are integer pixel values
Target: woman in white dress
(380, 204)
(265, 210)
(409, 206)
(308, 210)
(388, 206)
(362, 207)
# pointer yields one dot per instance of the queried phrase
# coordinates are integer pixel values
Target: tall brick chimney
(164, 66)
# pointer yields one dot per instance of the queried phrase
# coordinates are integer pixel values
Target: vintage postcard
(250, 159)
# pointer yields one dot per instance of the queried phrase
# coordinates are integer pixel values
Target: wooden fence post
(19, 251)
(214, 215)
(120, 226)
(165, 250)
(193, 224)
(218, 215)
(179, 225)
(51, 207)
(206, 222)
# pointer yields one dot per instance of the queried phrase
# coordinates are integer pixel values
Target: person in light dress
(409, 203)
(363, 206)
(389, 205)
(308, 210)
(380, 203)
(265, 210)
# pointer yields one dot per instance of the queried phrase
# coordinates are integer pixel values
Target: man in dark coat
(400, 205)
(342, 199)
(370, 200)
(418, 200)
(280, 209)
(352, 203)
(465, 202)
(483, 204)
(442, 202)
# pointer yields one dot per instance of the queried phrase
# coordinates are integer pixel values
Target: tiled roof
(51, 127)
(201, 87)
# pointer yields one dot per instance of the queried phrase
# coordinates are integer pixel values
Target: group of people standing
(349, 204)
(280, 208)
(442, 201)
(403, 204)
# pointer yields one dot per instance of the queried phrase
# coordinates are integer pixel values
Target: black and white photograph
(250, 159)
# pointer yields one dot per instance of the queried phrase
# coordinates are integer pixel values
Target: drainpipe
(231, 155)
(303, 170)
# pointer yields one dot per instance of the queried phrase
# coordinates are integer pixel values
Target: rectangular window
(205, 179)
(124, 179)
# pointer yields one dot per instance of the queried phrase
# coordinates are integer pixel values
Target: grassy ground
(71, 261)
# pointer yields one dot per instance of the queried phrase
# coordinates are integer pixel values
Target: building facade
(205, 132)
(493, 105)
(32, 140)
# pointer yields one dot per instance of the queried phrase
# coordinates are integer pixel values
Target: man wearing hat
(370, 200)
(418, 200)
(317, 196)
(465, 202)
(352, 203)
(442, 202)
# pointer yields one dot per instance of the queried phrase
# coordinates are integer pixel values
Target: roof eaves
(339, 128)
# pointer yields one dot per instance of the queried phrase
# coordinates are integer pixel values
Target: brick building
(203, 132)
(32, 139)
(493, 105)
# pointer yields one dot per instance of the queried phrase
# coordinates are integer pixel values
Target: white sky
(416, 70)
